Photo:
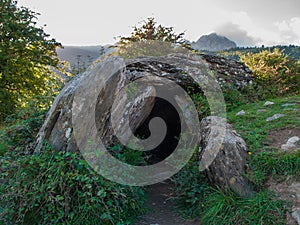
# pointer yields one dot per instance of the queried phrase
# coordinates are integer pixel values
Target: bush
(19, 130)
(192, 189)
(57, 187)
(275, 73)
(60, 188)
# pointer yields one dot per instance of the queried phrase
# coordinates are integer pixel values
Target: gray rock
(268, 103)
(261, 110)
(296, 215)
(288, 104)
(227, 169)
(290, 144)
(275, 117)
(241, 113)
(293, 140)
(287, 147)
(57, 128)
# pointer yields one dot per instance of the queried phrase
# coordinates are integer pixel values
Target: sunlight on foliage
(151, 39)
(28, 59)
(274, 71)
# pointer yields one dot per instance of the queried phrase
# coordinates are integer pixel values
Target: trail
(162, 208)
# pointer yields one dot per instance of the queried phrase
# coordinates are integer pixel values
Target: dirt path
(161, 207)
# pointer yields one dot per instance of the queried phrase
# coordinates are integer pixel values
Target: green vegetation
(57, 187)
(274, 72)
(151, 39)
(291, 51)
(198, 199)
(266, 161)
(60, 187)
(27, 58)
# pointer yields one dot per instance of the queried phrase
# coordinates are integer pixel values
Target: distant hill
(81, 57)
(213, 42)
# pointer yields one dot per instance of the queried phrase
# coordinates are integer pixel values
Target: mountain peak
(213, 42)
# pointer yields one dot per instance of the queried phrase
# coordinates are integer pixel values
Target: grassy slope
(263, 159)
(197, 199)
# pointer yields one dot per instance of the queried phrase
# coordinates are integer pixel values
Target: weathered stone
(275, 117)
(288, 104)
(227, 169)
(293, 140)
(57, 128)
(267, 103)
(261, 110)
(290, 144)
(296, 215)
(241, 113)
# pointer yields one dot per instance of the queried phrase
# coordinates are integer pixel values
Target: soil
(162, 207)
(280, 136)
(288, 190)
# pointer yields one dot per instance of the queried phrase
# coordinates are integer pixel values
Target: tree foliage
(27, 57)
(274, 71)
(151, 39)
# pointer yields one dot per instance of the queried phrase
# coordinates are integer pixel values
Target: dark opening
(169, 114)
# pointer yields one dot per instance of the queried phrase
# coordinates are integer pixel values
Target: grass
(265, 161)
(253, 126)
(198, 199)
(229, 209)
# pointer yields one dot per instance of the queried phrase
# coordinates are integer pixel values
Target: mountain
(81, 56)
(213, 42)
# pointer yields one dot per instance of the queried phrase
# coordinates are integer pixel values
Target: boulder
(228, 167)
(58, 128)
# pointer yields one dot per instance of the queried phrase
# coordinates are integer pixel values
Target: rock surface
(275, 117)
(227, 169)
(241, 113)
(267, 103)
(58, 127)
(296, 215)
(290, 144)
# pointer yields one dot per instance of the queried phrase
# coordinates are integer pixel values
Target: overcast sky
(94, 22)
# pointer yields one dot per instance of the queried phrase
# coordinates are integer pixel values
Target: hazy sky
(93, 22)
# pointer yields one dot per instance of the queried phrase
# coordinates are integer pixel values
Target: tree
(27, 58)
(149, 39)
(274, 71)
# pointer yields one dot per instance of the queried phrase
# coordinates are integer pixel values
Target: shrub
(274, 71)
(19, 130)
(60, 188)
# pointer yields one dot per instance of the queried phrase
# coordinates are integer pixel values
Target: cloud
(289, 30)
(237, 34)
